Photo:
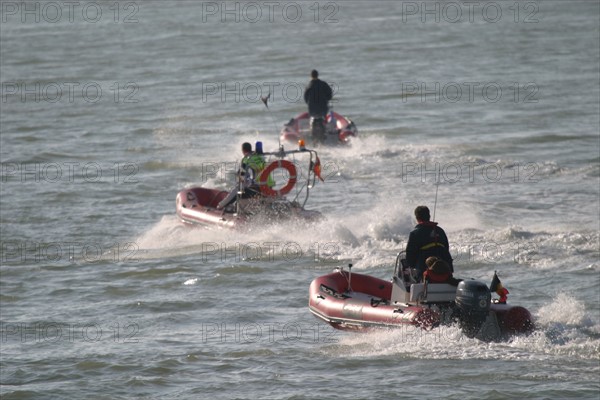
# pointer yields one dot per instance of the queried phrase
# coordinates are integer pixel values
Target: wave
(563, 328)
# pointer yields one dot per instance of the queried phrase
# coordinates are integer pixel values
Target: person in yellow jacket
(250, 169)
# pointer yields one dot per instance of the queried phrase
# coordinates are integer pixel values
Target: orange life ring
(264, 176)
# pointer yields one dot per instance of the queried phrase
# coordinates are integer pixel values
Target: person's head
(246, 148)
(430, 261)
(314, 74)
(422, 214)
(437, 265)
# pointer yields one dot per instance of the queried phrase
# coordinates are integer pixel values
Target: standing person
(251, 166)
(317, 95)
(426, 240)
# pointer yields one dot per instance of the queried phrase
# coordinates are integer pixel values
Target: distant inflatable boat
(352, 301)
(338, 129)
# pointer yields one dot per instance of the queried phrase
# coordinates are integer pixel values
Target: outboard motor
(317, 126)
(473, 300)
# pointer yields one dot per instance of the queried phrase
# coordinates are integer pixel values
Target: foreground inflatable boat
(354, 301)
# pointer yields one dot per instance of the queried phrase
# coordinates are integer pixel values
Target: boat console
(406, 289)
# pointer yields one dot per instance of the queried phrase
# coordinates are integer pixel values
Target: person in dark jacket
(426, 240)
(317, 95)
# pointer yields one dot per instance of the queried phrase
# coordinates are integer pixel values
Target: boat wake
(316, 241)
(563, 328)
(566, 323)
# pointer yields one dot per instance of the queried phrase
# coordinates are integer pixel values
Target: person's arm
(306, 94)
(444, 239)
(249, 176)
(329, 92)
(411, 251)
(242, 170)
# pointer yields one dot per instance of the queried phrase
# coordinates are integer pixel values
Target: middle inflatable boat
(296, 172)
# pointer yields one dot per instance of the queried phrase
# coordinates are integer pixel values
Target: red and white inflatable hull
(198, 205)
(339, 129)
(361, 308)
(362, 302)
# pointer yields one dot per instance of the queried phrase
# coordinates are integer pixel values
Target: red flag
(496, 286)
(317, 169)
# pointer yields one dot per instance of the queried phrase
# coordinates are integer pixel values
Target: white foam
(564, 309)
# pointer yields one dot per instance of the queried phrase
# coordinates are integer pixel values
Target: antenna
(437, 186)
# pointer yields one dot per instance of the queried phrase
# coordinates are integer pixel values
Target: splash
(322, 241)
(171, 237)
(564, 310)
(565, 327)
(446, 342)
